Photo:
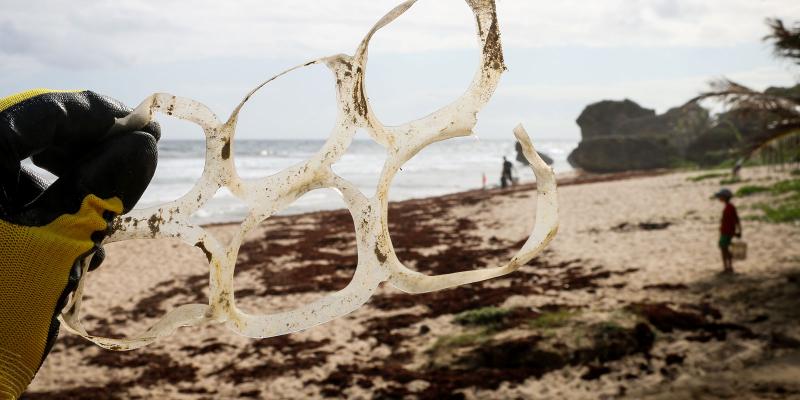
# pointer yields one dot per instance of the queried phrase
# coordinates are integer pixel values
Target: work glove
(46, 232)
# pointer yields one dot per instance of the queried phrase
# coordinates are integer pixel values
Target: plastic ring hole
(285, 123)
(362, 163)
(466, 227)
(421, 62)
(292, 260)
(181, 156)
(140, 281)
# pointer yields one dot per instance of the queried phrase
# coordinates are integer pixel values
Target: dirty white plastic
(377, 260)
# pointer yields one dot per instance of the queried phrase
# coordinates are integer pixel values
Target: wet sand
(628, 301)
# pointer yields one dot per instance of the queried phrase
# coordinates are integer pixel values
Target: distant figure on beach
(737, 167)
(506, 178)
(729, 227)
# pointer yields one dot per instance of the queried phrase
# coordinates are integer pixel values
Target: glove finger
(29, 186)
(98, 258)
(121, 167)
(60, 127)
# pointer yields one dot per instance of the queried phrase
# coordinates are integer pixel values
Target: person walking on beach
(506, 178)
(729, 227)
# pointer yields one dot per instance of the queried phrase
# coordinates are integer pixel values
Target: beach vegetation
(447, 348)
(682, 164)
(748, 190)
(728, 161)
(553, 319)
(787, 186)
(484, 316)
(460, 340)
(710, 175)
(785, 212)
(770, 118)
(730, 181)
(483, 322)
(784, 208)
(607, 328)
(733, 159)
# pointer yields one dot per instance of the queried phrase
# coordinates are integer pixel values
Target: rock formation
(621, 135)
(603, 118)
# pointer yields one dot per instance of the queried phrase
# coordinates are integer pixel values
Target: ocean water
(446, 167)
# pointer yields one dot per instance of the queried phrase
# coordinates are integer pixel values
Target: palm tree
(785, 40)
(775, 112)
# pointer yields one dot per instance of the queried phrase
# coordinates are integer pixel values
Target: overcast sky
(561, 56)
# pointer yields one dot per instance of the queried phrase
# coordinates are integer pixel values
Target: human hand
(47, 231)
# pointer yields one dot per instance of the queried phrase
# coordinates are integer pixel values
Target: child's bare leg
(724, 263)
(727, 259)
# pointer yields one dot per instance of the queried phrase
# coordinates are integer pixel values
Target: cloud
(641, 22)
(67, 50)
(129, 32)
(658, 93)
(561, 55)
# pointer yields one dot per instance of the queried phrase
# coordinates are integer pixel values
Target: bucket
(739, 250)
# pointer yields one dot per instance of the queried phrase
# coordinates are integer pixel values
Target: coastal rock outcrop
(621, 136)
(604, 117)
(613, 154)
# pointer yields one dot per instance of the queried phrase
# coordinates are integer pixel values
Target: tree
(786, 41)
(776, 110)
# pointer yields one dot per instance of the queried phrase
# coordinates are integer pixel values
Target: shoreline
(567, 179)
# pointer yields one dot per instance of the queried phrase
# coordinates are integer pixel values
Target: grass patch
(607, 328)
(485, 316)
(786, 212)
(730, 181)
(748, 190)
(552, 319)
(791, 185)
(710, 175)
(683, 164)
(461, 340)
(786, 209)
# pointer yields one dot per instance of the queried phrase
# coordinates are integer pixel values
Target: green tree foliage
(772, 116)
(786, 41)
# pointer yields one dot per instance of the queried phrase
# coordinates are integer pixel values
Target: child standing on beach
(729, 227)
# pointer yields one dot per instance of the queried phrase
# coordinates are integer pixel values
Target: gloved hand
(46, 232)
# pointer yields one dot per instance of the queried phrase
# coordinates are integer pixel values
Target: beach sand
(627, 301)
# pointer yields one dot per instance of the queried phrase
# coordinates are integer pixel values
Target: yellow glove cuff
(9, 101)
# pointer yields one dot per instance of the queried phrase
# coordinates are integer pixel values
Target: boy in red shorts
(729, 227)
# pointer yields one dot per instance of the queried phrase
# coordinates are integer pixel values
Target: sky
(561, 56)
